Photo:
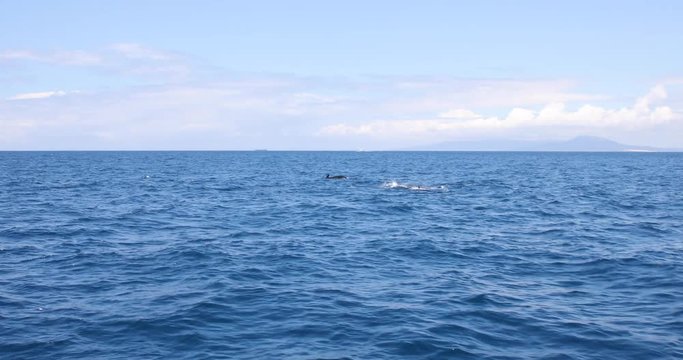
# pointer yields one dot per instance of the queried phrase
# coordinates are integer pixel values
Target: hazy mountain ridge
(580, 143)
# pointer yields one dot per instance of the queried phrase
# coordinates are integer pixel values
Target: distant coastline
(577, 144)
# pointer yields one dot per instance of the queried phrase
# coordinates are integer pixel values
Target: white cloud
(643, 113)
(459, 114)
(137, 51)
(18, 55)
(438, 94)
(124, 58)
(76, 58)
(63, 57)
(185, 109)
(222, 115)
(37, 95)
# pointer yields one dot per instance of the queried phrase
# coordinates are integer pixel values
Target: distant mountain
(581, 143)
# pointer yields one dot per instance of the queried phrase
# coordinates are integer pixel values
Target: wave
(230, 256)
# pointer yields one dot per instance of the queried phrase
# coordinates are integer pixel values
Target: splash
(393, 184)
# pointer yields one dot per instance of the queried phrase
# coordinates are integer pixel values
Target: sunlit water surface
(254, 255)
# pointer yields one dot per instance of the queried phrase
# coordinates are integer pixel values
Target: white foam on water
(393, 184)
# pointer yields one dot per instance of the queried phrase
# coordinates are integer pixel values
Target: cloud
(137, 51)
(37, 95)
(643, 113)
(18, 55)
(180, 107)
(459, 114)
(229, 114)
(123, 58)
(72, 58)
(76, 58)
(435, 95)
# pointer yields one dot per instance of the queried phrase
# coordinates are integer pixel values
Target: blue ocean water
(254, 255)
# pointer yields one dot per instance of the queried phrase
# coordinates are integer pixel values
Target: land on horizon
(577, 144)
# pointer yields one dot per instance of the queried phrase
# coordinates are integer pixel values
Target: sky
(345, 75)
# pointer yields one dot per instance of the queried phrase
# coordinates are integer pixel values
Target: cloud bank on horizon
(135, 95)
(641, 114)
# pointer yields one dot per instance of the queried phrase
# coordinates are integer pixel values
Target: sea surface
(417, 255)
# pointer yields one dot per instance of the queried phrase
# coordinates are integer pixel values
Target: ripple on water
(254, 255)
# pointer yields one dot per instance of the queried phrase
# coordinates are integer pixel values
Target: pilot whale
(336, 177)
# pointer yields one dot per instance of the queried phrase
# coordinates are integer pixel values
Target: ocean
(416, 255)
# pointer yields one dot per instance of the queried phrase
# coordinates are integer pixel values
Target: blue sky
(346, 75)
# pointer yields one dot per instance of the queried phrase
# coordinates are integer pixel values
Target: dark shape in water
(336, 177)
